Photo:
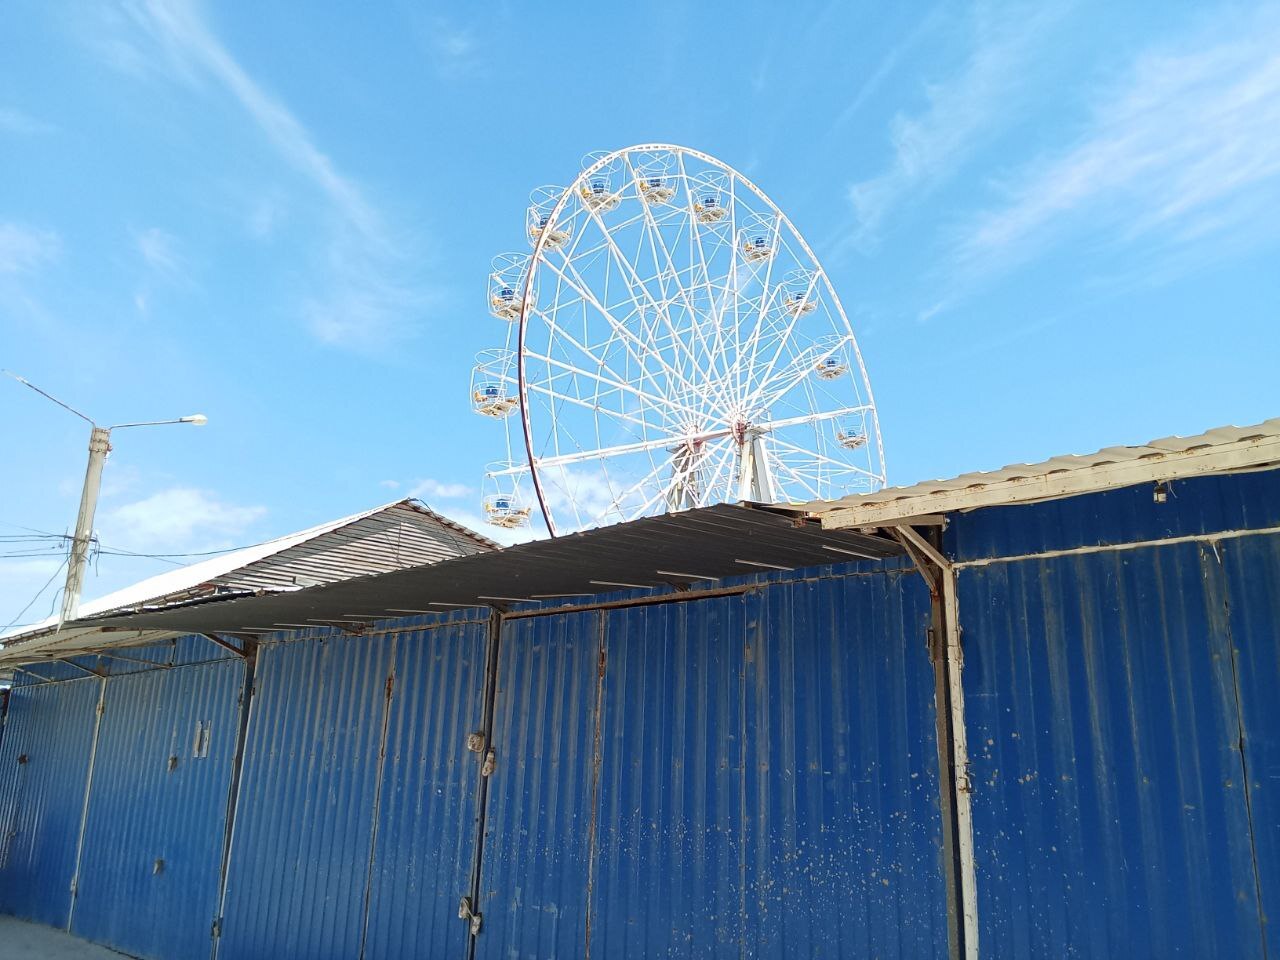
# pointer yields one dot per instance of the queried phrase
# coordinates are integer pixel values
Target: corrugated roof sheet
(694, 547)
(1215, 451)
(394, 536)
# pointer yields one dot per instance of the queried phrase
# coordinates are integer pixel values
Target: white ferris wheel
(672, 342)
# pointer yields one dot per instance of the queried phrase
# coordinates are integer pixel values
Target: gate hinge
(490, 763)
(475, 741)
(466, 913)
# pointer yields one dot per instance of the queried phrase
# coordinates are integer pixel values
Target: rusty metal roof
(685, 550)
(1220, 450)
(394, 536)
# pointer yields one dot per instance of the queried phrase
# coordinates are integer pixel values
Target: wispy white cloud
(265, 217)
(887, 65)
(159, 249)
(363, 299)
(178, 519)
(430, 488)
(454, 50)
(17, 123)
(984, 94)
(24, 249)
(1183, 148)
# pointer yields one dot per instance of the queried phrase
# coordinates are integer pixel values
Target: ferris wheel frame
(548, 238)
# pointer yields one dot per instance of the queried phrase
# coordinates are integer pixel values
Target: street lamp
(99, 447)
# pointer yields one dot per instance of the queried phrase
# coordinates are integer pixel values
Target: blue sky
(1052, 225)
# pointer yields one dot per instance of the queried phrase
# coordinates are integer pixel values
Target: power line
(39, 592)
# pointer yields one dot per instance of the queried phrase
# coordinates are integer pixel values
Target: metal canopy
(695, 547)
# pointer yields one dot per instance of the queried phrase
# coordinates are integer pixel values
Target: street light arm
(49, 396)
(198, 419)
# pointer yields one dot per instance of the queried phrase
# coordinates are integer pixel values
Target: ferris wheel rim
(538, 258)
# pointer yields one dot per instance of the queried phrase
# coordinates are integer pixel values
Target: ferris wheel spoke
(721, 466)
(630, 276)
(657, 242)
(658, 403)
(816, 417)
(624, 448)
(714, 352)
(620, 329)
(589, 405)
(802, 367)
(840, 466)
(809, 488)
(617, 502)
(747, 371)
(786, 335)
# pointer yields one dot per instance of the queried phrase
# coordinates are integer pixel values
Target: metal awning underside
(695, 547)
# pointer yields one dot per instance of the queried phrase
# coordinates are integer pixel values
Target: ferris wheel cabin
(506, 285)
(503, 510)
(830, 368)
(709, 208)
(492, 384)
(542, 205)
(596, 195)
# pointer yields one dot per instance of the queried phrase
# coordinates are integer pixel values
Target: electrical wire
(22, 612)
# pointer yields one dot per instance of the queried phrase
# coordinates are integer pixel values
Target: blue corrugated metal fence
(44, 758)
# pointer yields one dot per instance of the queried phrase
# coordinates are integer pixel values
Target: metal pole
(99, 447)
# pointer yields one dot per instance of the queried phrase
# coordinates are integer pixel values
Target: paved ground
(20, 940)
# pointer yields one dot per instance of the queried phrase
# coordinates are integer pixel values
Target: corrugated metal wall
(844, 839)
(1252, 569)
(746, 775)
(339, 849)
(1110, 810)
(1191, 507)
(44, 758)
(671, 877)
(538, 824)
(426, 824)
(764, 775)
(299, 860)
(150, 872)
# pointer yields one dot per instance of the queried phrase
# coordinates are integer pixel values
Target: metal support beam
(947, 654)
(247, 689)
(481, 749)
(88, 791)
(227, 645)
(80, 666)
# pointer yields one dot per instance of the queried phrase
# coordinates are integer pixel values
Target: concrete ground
(20, 940)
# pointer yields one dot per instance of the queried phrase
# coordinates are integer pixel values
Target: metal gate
(48, 742)
(355, 820)
(752, 774)
(149, 871)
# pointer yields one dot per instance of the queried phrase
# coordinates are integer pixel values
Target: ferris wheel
(672, 342)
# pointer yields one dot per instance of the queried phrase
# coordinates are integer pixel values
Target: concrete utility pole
(99, 447)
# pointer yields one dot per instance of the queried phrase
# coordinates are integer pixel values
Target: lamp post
(99, 447)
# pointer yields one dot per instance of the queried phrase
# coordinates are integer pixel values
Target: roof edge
(1052, 481)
